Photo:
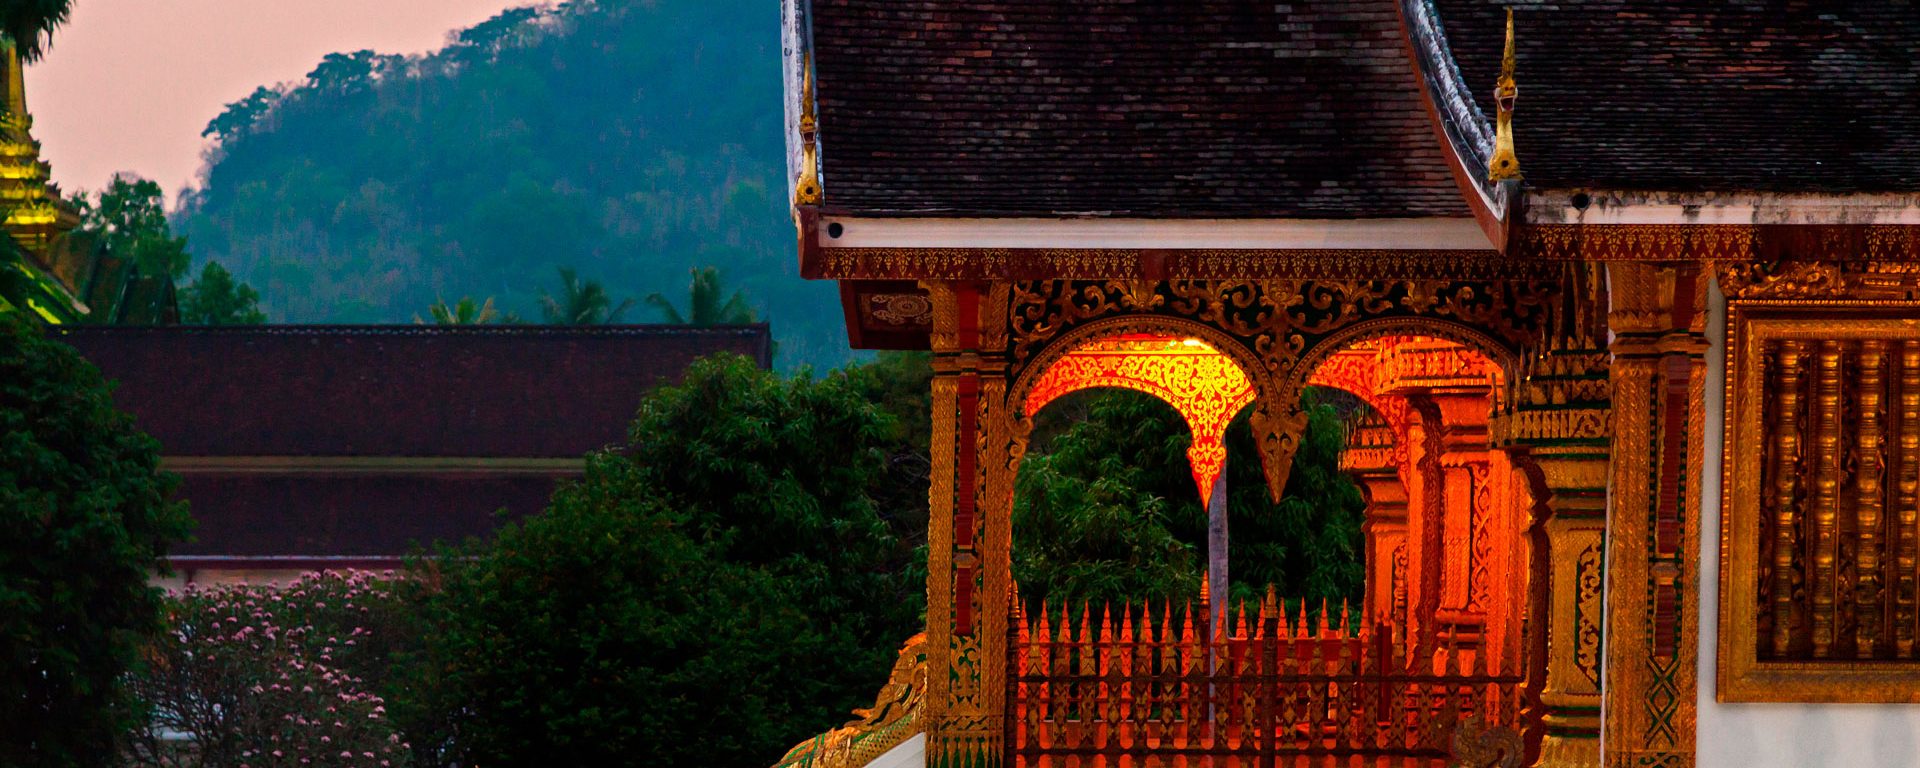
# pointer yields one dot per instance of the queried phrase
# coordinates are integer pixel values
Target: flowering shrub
(272, 676)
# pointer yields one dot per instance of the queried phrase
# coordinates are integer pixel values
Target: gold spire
(16, 82)
(806, 190)
(34, 212)
(1504, 166)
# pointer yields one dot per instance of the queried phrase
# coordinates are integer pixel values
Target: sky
(129, 84)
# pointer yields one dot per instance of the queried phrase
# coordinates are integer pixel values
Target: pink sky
(129, 84)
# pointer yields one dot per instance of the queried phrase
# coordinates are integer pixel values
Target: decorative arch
(1503, 356)
(1035, 384)
(1206, 386)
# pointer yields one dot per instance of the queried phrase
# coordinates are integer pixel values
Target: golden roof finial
(806, 189)
(1504, 166)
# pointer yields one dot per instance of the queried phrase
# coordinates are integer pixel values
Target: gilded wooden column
(1374, 460)
(976, 442)
(1554, 425)
(1653, 513)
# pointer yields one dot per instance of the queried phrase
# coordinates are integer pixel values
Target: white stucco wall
(1782, 735)
(911, 753)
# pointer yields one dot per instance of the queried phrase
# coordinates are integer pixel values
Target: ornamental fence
(1141, 687)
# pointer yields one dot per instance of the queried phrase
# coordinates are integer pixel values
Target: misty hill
(628, 140)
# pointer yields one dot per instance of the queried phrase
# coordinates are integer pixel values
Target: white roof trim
(1182, 234)
(1557, 206)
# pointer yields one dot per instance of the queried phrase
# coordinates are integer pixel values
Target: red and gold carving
(1206, 387)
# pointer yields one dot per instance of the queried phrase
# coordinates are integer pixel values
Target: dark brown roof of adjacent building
(422, 390)
(1193, 109)
(1691, 95)
(348, 517)
(347, 444)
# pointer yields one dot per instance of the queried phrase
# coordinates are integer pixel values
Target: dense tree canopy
(706, 595)
(1105, 508)
(630, 140)
(86, 518)
(130, 218)
(214, 298)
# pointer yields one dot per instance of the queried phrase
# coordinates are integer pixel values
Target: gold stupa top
(34, 211)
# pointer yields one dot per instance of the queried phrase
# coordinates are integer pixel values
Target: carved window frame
(1742, 675)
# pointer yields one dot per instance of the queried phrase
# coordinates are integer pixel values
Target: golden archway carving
(1266, 389)
(1277, 329)
(1206, 386)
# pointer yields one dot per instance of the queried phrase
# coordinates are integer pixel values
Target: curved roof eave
(1462, 128)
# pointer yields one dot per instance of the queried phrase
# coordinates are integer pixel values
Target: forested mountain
(630, 141)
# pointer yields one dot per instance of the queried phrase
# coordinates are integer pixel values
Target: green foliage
(463, 312)
(30, 24)
(702, 597)
(632, 140)
(86, 518)
(899, 384)
(581, 302)
(130, 217)
(704, 306)
(1105, 509)
(215, 299)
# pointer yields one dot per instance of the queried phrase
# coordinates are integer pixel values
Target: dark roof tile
(1142, 108)
(1699, 95)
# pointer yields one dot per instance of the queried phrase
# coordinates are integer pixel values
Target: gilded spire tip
(1504, 166)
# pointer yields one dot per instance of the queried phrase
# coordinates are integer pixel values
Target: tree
(30, 24)
(272, 676)
(241, 116)
(1094, 519)
(87, 519)
(1105, 509)
(130, 216)
(581, 302)
(463, 312)
(702, 596)
(215, 299)
(704, 306)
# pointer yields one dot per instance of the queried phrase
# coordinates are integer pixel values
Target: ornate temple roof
(1705, 95)
(359, 441)
(1202, 109)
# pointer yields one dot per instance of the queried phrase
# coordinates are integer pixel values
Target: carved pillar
(1569, 573)
(1553, 424)
(1374, 459)
(1653, 513)
(976, 444)
(1465, 489)
(1426, 532)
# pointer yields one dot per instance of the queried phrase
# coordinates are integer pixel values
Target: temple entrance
(1432, 641)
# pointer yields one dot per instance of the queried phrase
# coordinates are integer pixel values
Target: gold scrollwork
(1588, 579)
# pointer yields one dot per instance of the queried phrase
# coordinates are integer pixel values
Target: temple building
(1629, 292)
(49, 270)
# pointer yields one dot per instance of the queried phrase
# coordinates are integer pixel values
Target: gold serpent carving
(893, 718)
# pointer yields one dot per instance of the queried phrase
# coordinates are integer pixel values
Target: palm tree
(463, 312)
(581, 302)
(30, 24)
(704, 306)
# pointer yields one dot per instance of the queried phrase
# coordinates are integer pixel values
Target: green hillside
(630, 141)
